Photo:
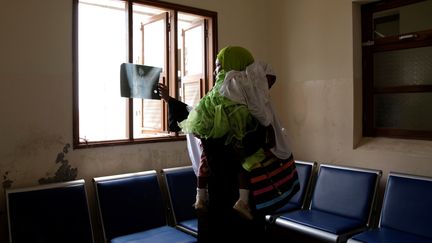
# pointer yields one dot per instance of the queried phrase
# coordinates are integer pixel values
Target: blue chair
(305, 171)
(406, 214)
(50, 213)
(181, 187)
(341, 204)
(132, 209)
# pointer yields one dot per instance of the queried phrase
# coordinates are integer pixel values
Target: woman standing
(228, 133)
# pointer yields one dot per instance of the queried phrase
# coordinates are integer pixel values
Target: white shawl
(250, 88)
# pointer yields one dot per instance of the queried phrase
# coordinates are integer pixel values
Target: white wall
(36, 95)
(309, 43)
(319, 90)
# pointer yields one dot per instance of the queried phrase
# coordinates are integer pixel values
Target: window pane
(194, 52)
(102, 48)
(404, 111)
(144, 15)
(191, 90)
(403, 67)
(191, 42)
(406, 19)
(387, 25)
(149, 49)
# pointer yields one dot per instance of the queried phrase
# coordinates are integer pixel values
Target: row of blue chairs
(56, 212)
(406, 214)
(337, 204)
(334, 204)
(132, 208)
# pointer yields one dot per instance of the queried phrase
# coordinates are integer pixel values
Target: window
(397, 69)
(181, 40)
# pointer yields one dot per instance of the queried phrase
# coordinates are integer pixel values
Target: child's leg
(243, 185)
(202, 180)
(202, 188)
(242, 204)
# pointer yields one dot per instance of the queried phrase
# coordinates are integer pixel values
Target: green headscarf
(216, 116)
(234, 58)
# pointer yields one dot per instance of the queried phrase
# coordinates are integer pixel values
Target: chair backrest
(181, 186)
(305, 171)
(346, 191)
(129, 203)
(56, 212)
(407, 204)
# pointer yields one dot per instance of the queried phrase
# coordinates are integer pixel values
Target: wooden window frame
(391, 43)
(171, 76)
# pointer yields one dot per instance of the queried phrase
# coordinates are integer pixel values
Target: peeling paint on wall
(7, 183)
(65, 172)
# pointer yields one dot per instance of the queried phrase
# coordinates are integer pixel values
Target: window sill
(130, 142)
(408, 146)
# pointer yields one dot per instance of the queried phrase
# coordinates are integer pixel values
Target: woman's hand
(163, 92)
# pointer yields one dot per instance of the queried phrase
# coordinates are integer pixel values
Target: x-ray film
(139, 81)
